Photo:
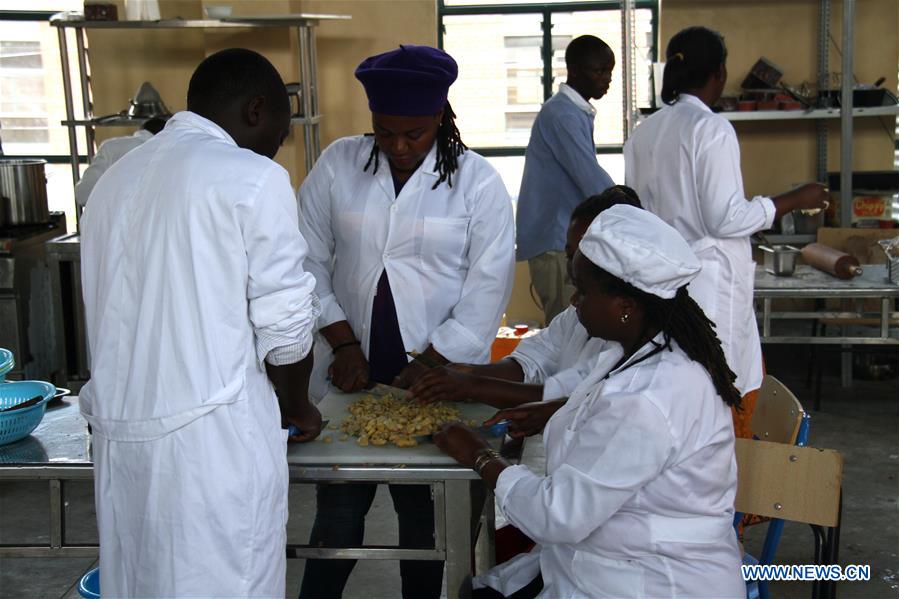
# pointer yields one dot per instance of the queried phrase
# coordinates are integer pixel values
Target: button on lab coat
(192, 272)
(637, 500)
(560, 356)
(448, 252)
(684, 163)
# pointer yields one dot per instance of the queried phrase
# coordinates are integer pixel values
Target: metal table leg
(458, 538)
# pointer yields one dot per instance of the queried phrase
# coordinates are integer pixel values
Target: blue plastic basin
(89, 585)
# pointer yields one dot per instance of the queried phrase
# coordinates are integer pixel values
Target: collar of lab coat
(578, 99)
(691, 99)
(428, 167)
(192, 119)
(640, 353)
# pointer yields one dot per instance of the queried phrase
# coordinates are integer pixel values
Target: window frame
(546, 10)
(40, 16)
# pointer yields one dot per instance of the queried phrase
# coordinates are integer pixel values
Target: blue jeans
(340, 522)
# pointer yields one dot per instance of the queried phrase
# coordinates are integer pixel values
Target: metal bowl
(780, 260)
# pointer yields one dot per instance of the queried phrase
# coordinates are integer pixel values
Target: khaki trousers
(549, 275)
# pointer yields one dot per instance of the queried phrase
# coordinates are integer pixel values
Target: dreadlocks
(449, 148)
(682, 320)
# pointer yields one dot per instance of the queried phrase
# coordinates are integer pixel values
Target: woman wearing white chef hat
(684, 163)
(637, 499)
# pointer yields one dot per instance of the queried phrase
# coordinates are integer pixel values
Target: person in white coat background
(109, 152)
(637, 498)
(684, 163)
(199, 321)
(545, 366)
(411, 243)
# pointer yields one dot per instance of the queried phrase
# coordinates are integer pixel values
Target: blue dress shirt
(560, 172)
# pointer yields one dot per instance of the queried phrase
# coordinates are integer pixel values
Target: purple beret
(408, 81)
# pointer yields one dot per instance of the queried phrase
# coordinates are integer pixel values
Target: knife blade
(380, 389)
(25, 404)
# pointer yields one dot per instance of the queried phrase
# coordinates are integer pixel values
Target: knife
(25, 404)
(491, 431)
(381, 390)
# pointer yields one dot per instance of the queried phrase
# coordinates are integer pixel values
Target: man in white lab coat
(411, 244)
(109, 153)
(199, 318)
(638, 495)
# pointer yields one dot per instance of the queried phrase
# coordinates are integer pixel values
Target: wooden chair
(800, 484)
(778, 415)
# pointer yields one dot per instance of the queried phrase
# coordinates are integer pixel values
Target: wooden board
(800, 484)
(348, 453)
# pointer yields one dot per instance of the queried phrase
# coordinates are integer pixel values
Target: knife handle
(499, 429)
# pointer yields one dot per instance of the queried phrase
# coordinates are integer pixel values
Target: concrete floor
(861, 422)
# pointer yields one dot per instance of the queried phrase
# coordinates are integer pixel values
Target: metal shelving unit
(305, 24)
(816, 114)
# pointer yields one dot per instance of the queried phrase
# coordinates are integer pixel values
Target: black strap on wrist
(343, 345)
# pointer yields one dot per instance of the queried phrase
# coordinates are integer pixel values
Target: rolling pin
(830, 260)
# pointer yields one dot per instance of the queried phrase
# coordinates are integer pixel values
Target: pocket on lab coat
(443, 243)
(604, 577)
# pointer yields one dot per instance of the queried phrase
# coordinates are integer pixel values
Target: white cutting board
(348, 453)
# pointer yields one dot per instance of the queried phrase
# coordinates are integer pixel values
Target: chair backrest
(777, 415)
(801, 484)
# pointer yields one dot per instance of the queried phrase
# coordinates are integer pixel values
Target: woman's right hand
(527, 419)
(443, 384)
(349, 371)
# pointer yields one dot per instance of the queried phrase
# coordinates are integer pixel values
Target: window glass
(500, 88)
(32, 101)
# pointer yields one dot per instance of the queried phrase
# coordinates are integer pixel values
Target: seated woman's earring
(625, 317)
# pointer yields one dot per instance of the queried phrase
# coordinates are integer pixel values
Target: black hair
(154, 125)
(682, 320)
(449, 148)
(233, 75)
(585, 47)
(590, 208)
(693, 55)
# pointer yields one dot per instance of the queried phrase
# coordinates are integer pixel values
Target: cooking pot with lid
(23, 192)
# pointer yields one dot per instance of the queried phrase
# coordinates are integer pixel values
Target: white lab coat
(108, 154)
(560, 356)
(192, 273)
(448, 252)
(684, 163)
(638, 497)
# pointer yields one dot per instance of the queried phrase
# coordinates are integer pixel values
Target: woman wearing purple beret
(411, 243)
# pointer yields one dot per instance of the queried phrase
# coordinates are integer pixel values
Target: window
(32, 102)
(506, 73)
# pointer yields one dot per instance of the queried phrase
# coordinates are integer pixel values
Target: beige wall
(778, 154)
(121, 60)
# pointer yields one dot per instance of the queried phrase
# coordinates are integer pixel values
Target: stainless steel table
(456, 490)
(59, 450)
(810, 283)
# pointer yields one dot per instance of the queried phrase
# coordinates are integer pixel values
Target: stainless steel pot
(23, 192)
(780, 260)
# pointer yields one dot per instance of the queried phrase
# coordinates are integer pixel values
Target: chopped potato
(388, 419)
(327, 439)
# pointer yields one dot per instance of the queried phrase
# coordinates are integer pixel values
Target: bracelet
(484, 457)
(343, 345)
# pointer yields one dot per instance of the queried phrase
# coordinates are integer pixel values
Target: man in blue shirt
(560, 170)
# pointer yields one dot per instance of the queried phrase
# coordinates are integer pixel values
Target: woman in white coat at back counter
(637, 500)
(684, 163)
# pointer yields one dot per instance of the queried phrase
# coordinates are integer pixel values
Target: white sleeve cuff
(331, 312)
(295, 335)
(505, 483)
(770, 210)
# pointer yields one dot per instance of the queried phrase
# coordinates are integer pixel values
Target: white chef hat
(639, 248)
